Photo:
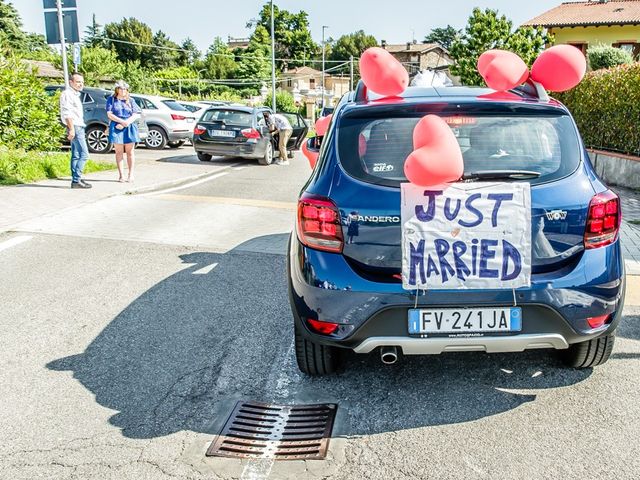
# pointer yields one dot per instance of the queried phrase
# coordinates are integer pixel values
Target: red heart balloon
(429, 130)
(502, 70)
(382, 72)
(439, 159)
(311, 156)
(322, 124)
(559, 68)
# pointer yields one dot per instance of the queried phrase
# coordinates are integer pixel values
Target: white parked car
(169, 122)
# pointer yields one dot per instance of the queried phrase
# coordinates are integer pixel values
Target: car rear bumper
(323, 286)
(248, 150)
(176, 136)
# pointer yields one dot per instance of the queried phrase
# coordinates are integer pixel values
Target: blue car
(346, 274)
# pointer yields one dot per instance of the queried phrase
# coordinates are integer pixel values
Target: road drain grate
(259, 430)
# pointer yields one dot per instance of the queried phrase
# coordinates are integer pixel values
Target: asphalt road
(131, 326)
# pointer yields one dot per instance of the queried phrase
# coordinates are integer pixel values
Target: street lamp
(323, 28)
(198, 73)
(273, 62)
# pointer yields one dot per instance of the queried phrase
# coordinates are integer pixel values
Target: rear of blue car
(345, 257)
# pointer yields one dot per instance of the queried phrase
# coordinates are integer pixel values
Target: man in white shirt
(72, 115)
(284, 132)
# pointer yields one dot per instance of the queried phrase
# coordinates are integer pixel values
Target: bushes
(606, 106)
(604, 56)
(28, 115)
(19, 166)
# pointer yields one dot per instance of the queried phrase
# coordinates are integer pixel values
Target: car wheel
(176, 144)
(313, 358)
(588, 354)
(98, 140)
(204, 157)
(156, 139)
(267, 159)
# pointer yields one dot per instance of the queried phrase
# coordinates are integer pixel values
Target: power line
(231, 55)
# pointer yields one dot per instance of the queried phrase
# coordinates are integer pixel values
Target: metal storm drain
(259, 430)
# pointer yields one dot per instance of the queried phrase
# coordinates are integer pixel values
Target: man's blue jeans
(79, 154)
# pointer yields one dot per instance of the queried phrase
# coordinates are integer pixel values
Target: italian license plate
(189, 120)
(465, 320)
(222, 133)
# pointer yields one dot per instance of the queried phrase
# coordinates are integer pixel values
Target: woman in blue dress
(123, 129)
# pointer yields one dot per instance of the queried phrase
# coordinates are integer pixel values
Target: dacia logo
(556, 215)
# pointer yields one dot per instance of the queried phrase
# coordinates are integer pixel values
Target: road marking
(12, 242)
(247, 202)
(190, 184)
(205, 270)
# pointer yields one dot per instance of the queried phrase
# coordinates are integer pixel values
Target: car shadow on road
(220, 330)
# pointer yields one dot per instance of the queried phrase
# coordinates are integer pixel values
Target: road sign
(70, 22)
(77, 59)
(65, 4)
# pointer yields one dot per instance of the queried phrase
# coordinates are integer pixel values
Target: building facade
(419, 56)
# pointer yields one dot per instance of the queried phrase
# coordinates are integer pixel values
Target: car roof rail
(533, 89)
(360, 94)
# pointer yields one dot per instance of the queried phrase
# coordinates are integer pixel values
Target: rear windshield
(173, 105)
(374, 149)
(235, 117)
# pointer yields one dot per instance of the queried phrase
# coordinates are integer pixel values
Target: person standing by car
(123, 130)
(284, 133)
(72, 115)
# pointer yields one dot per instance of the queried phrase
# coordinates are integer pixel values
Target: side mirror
(313, 144)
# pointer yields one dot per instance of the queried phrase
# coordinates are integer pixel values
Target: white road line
(12, 242)
(191, 184)
(205, 270)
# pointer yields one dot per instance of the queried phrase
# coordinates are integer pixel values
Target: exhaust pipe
(389, 355)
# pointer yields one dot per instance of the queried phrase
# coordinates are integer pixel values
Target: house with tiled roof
(607, 22)
(418, 56)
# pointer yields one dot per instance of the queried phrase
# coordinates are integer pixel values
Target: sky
(396, 21)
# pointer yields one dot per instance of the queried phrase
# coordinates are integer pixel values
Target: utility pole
(273, 61)
(322, 107)
(63, 44)
(351, 74)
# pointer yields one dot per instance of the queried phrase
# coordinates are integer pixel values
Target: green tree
(606, 56)
(165, 54)
(28, 115)
(11, 34)
(486, 30)
(292, 36)
(352, 44)
(219, 62)
(284, 102)
(255, 62)
(131, 39)
(99, 63)
(94, 34)
(189, 55)
(443, 36)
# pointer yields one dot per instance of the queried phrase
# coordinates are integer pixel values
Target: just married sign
(466, 235)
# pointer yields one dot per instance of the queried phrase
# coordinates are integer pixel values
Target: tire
(268, 155)
(315, 359)
(589, 354)
(156, 139)
(204, 157)
(176, 144)
(98, 140)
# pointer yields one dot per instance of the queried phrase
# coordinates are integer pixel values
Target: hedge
(606, 56)
(606, 107)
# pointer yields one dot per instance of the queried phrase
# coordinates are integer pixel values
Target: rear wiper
(497, 174)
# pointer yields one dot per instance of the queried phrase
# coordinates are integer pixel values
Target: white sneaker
(282, 162)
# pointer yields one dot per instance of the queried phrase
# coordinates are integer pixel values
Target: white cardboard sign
(466, 236)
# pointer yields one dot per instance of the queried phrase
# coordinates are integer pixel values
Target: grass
(18, 166)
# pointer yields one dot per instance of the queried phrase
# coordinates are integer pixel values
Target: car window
(235, 117)
(293, 119)
(86, 98)
(375, 149)
(175, 106)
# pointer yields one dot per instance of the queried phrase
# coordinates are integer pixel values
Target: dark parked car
(238, 131)
(94, 101)
(345, 261)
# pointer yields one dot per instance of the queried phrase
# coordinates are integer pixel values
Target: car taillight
(325, 328)
(199, 130)
(250, 133)
(175, 116)
(597, 322)
(319, 224)
(603, 220)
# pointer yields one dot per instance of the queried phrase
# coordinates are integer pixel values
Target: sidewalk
(154, 169)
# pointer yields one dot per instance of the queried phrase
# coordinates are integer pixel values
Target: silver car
(169, 122)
